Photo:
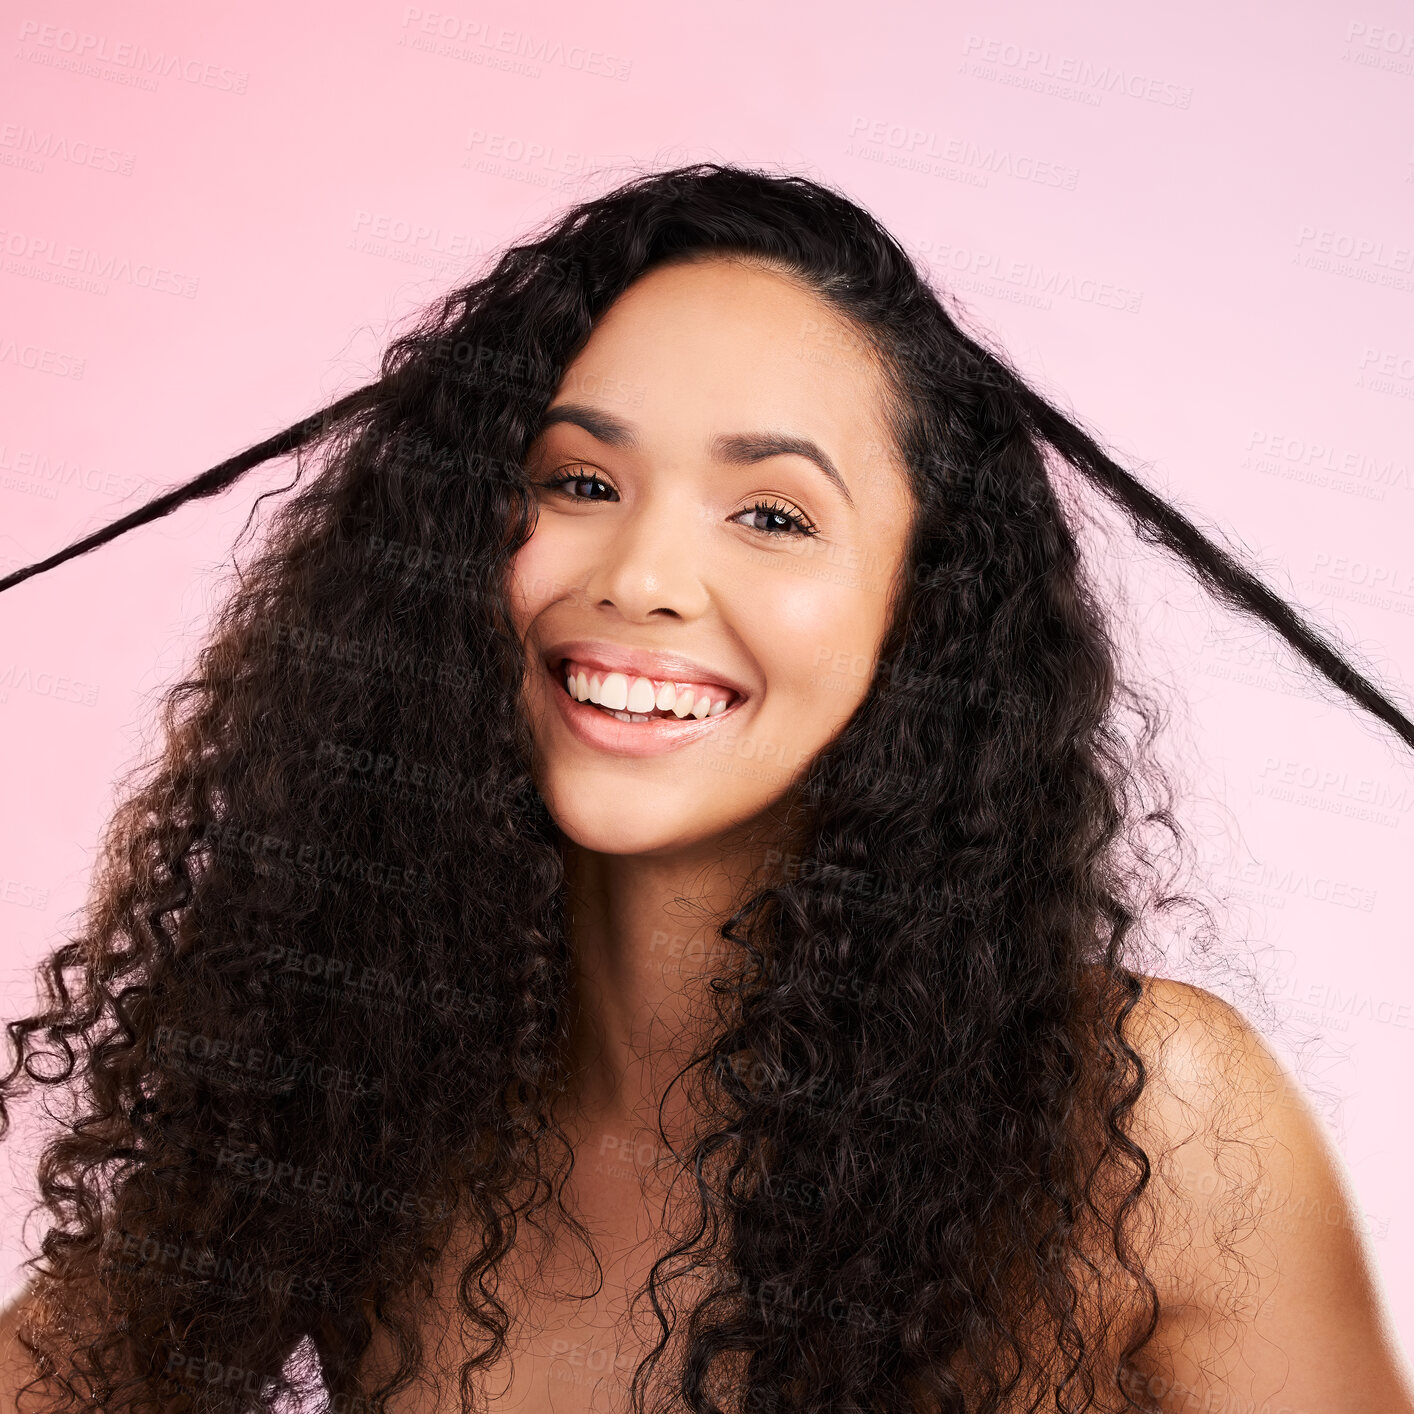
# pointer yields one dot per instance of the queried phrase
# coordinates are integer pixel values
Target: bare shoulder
(1207, 1069)
(16, 1366)
(1266, 1278)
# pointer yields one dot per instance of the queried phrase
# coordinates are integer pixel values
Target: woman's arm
(1269, 1285)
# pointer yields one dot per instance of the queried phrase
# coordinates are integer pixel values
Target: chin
(609, 826)
(654, 823)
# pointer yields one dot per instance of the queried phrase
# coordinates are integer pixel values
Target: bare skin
(663, 551)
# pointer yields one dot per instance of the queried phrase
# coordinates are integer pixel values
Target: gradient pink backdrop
(1194, 229)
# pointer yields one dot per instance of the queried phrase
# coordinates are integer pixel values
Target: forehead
(716, 342)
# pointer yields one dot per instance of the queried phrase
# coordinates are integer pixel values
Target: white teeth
(614, 692)
(641, 697)
(633, 699)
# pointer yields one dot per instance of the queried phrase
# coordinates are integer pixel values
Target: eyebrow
(739, 448)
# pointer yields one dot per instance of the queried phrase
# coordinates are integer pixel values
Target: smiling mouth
(661, 701)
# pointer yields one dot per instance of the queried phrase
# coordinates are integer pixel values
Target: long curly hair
(314, 1019)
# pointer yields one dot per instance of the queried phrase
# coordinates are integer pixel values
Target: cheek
(531, 580)
(818, 641)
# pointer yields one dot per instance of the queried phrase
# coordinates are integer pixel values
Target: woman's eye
(578, 478)
(795, 522)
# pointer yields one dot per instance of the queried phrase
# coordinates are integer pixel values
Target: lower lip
(657, 735)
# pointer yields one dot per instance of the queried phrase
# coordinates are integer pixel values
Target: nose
(649, 561)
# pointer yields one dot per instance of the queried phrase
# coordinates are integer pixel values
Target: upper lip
(641, 662)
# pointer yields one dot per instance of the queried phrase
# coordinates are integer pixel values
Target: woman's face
(695, 553)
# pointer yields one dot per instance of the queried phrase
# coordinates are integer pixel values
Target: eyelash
(803, 525)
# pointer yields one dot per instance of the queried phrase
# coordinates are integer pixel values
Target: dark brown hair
(317, 1002)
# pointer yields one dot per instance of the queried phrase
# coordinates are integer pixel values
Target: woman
(638, 905)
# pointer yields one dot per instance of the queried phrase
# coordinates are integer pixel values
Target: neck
(644, 935)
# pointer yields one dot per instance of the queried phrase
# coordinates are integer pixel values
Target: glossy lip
(596, 728)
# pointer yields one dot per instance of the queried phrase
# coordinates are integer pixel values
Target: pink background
(1193, 229)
